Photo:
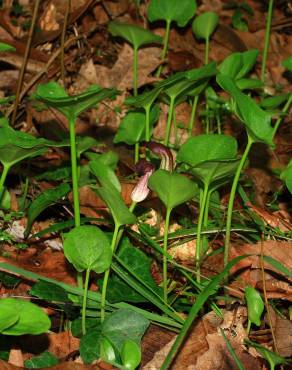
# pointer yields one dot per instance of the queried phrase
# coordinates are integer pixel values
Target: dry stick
(63, 36)
(42, 72)
(265, 296)
(25, 59)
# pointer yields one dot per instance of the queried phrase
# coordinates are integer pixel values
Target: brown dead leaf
(283, 333)
(15, 357)
(62, 344)
(121, 75)
(6, 366)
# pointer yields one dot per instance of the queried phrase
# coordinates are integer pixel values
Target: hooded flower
(141, 190)
(164, 153)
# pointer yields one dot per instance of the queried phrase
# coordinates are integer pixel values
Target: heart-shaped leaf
(207, 147)
(119, 211)
(204, 25)
(214, 172)
(55, 96)
(132, 129)
(237, 65)
(43, 201)
(105, 174)
(172, 10)
(172, 188)
(88, 248)
(255, 305)
(257, 121)
(135, 35)
(17, 145)
(32, 319)
(130, 354)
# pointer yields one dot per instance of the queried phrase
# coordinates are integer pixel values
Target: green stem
(248, 327)
(74, 169)
(169, 119)
(106, 275)
(137, 148)
(193, 114)
(199, 231)
(135, 71)
(231, 199)
(165, 238)
(207, 51)
(85, 301)
(267, 40)
(147, 123)
(4, 173)
(218, 119)
(206, 219)
(284, 110)
(165, 46)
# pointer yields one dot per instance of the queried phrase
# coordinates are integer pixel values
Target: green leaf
(273, 358)
(131, 354)
(238, 65)
(204, 25)
(144, 100)
(55, 96)
(87, 247)
(135, 35)
(45, 360)
(207, 147)
(114, 201)
(90, 345)
(83, 143)
(109, 158)
(17, 145)
(32, 319)
(43, 201)
(6, 47)
(49, 292)
(133, 125)
(273, 102)
(255, 305)
(257, 121)
(172, 188)
(107, 351)
(215, 172)
(8, 315)
(249, 83)
(122, 325)
(172, 10)
(286, 175)
(140, 265)
(278, 266)
(105, 174)
(287, 63)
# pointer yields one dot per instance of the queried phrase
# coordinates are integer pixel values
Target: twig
(25, 59)
(63, 36)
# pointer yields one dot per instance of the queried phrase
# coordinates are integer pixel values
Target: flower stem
(4, 173)
(165, 46)
(165, 238)
(193, 114)
(137, 148)
(106, 274)
(199, 231)
(169, 119)
(135, 71)
(74, 169)
(207, 50)
(231, 199)
(284, 110)
(147, 123)
(85, 301)
(267, 40)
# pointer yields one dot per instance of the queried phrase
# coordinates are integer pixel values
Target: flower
(141, 190)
